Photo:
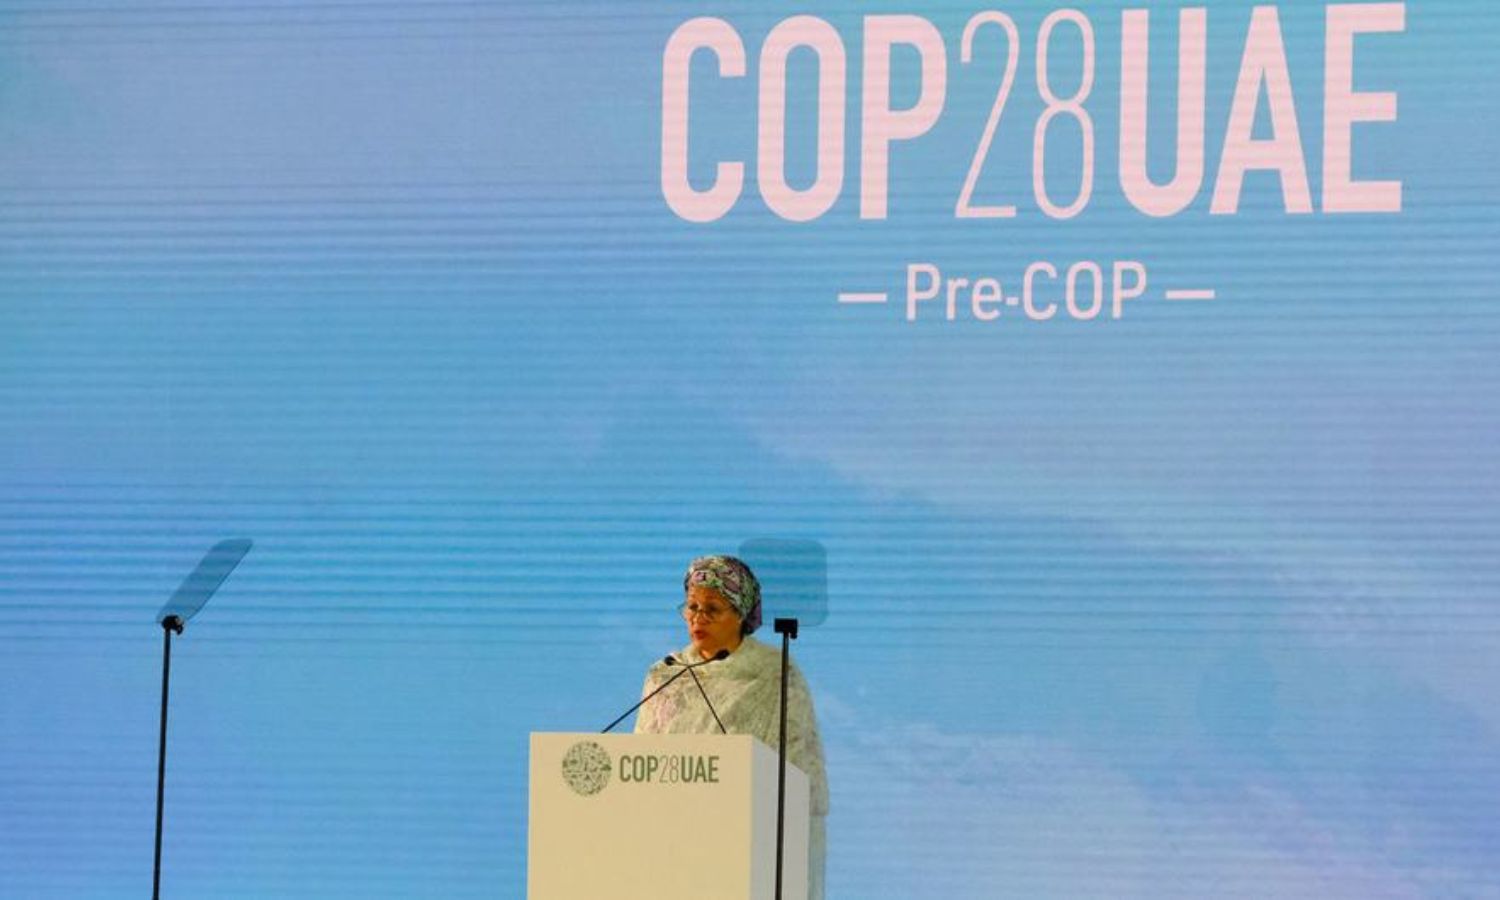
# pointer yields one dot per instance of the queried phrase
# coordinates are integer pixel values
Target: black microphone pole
(710, 703)
(196, 588)
(787, 628)
(642, 702)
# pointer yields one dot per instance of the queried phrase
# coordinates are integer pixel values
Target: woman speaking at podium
(721, 610)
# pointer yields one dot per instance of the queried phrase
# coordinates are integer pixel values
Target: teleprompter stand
(196, 588)
(787, 628)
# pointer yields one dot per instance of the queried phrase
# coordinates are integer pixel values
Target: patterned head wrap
(732, 578)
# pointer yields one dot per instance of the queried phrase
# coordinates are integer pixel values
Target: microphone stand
(787, 628)
(699, 682)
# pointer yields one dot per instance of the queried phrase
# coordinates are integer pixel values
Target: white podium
(641, 817)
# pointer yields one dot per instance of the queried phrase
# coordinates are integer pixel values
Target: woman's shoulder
(752, 655)
(660, 668)
(759, 655)
(752, 650)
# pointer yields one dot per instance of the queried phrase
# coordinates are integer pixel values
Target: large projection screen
(1128, 370)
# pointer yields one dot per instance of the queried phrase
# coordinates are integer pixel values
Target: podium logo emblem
(586, 768)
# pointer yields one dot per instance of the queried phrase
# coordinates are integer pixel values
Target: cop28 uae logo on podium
(586, 768)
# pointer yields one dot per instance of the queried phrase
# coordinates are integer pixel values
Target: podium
(637, 816)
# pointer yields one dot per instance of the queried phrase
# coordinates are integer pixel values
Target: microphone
(670, 661)
(674, 661)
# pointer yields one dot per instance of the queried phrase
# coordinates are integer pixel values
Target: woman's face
(716, 624)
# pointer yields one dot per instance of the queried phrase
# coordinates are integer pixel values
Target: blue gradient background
(1202, 602)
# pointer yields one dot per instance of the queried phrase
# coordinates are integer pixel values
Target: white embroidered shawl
(745, 689)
